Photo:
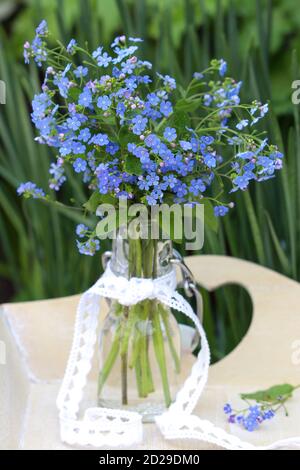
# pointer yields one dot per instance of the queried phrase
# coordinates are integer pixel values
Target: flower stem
(110, 360)
(158, 342)
(174, 354)
(124, 359)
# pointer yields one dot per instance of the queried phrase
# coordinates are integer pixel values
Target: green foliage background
(261, 42)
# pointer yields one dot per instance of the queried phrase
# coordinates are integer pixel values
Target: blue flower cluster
(37, 49)
(117, 125)
(251, 418)
(30, 190)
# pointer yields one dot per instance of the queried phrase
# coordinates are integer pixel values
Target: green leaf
(124, 136)
(96, 199)
(255, 229)
(210, 220)
(270, 394)
(74, 94)
(188, 105)
(180, 120)
(171, 229)
(133, 165)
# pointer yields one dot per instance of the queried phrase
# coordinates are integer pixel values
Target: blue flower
(166, 108)
(140, 124)
(232, 419)
(169, 181)
(100, 139)
(185, 145)
(240, 419)
(85, 98)
(241, 182)
(79, 165)
(58, 177)
(153, 99)
(170, 134)
(81, 72)
(26, 52)
(45, 126)
(227, 409)
(152, 141)
(103, 60)
(135, 39)
(40, 104)
(112, 148)
(42, 28)
(207, 99)
(254, 411)
(143, 183)
(206, 140)
(168, 81)
(131, 84)
(66, 148)
(81, 230)
(198, 75)
(78, 148)
(242, 124)
(30, 189)
(152, 179)
(245, 155)
(152, 201)
(250, 424)
(222, 67)
(210, 160)
(122, 53)
(264, 109)
(104, 102)
(84, 135)
(73, 123)
(63, 85)
(220, 211)
(71, 47)
(181, 189)
(197, 186)
(141, 153)
(120, 110)
(97, 52)
(38, 51)
(89, 247)
(269, 414)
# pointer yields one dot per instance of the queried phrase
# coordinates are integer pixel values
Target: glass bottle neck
(140, 257)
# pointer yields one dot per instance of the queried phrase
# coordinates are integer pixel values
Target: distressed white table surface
(37, 337)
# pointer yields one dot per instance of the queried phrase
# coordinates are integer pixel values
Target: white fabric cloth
(106, 427)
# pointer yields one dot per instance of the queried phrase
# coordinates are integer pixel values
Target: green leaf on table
(133, 165)
(270, 394)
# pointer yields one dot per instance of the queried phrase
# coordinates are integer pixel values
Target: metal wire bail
(188, 282)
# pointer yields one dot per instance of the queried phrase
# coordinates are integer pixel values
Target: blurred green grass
(259, 40)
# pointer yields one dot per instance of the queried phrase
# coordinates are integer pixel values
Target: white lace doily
(107, 427)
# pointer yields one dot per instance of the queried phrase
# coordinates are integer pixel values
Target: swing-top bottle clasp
(188, 282)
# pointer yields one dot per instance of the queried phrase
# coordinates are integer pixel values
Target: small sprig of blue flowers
(131, 135)
(268, 403)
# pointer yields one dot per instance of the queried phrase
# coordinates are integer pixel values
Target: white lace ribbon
(109, 427)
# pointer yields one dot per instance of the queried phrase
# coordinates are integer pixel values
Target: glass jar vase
(139, 346)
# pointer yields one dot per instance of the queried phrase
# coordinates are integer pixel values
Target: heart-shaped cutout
(227, 315)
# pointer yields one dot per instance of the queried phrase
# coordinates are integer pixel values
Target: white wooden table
(37, 337)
